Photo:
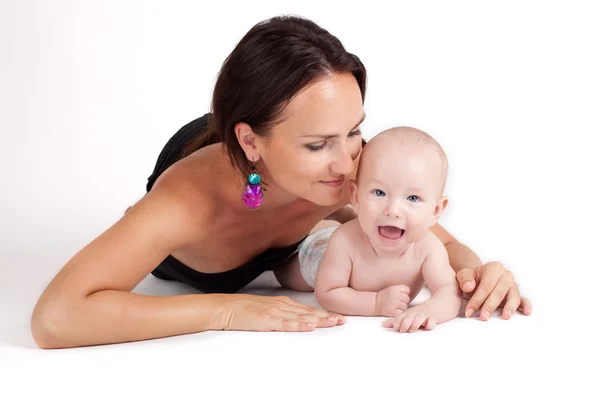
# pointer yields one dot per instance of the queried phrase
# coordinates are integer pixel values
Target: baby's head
(398, 192)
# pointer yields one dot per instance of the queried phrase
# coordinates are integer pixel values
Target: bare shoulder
(430, 246)
(164, 220)
(189, 190)
(176, 206)
(347, 240)
(181, 186)
(346, 234)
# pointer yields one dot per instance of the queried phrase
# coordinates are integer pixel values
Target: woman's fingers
(498, 294)
(320, 322)
(268, 313)
(526, 306)
(301, 306)
(466, 278)
(490, 275)
(292, 309)
(513, 300)
(292, 325)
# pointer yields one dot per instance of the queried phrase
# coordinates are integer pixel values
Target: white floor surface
(522, 358)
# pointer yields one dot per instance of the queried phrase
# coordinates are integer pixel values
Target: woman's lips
(333, 184)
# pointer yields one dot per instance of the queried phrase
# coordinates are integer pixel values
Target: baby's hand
(392, 300)
(411, 320)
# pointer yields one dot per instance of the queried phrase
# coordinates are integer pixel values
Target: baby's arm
(333, 277)
(446, 297)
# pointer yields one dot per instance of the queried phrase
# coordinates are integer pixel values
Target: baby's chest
(375, 275)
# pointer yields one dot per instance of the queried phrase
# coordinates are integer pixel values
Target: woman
(233, 194)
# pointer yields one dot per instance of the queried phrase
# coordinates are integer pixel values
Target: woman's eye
(413, 198)
(379, 192)
(313, 147)
(317, 147)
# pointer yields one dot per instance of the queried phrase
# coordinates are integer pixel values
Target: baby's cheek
(420, 222)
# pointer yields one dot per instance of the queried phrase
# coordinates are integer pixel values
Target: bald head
(400, 141)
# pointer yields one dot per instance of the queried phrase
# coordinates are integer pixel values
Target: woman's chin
(325, 200)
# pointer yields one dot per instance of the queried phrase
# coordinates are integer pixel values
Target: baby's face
(398, 196)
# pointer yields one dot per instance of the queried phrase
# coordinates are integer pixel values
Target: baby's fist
(392, 300)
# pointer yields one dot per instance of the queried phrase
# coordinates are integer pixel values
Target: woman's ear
(247, 140)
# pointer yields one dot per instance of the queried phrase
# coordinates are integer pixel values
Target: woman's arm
(460, 256)
(89, 302)
(488, 285)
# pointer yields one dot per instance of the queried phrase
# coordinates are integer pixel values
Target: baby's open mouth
(391, 232)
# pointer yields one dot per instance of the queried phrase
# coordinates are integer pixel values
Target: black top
(222, 282)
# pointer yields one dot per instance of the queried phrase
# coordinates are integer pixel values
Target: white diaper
(311, 251)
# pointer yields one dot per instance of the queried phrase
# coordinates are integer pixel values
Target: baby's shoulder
(429, 244)
(346, 238)
(347, 232)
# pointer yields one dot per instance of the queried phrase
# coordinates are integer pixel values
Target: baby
(376, 265)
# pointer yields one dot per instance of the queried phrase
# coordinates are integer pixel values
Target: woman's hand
(268, 313)
(490, 286)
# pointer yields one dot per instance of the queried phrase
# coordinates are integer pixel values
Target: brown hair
(274, 61)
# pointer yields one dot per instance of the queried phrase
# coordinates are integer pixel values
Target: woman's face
(314, 152)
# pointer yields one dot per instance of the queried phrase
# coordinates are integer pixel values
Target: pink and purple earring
(253, 192)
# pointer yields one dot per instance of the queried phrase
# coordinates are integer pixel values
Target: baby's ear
(353, 194)
(441, 205)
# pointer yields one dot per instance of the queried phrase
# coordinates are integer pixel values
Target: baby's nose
(393, 212)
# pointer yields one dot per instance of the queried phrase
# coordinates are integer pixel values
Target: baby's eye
(413, 198)
(379, 192)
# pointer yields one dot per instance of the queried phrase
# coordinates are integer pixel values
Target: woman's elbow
(49, 324)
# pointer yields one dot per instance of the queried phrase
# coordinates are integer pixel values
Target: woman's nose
(343, 165)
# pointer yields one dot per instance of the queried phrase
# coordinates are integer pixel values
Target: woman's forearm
(110, 316)
(460, 256)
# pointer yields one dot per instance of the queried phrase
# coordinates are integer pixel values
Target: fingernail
(507, 314)
(485, 315)
(332, 318)
(311, 324)
(468, 286)
(469, 313)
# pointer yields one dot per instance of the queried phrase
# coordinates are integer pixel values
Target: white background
(90, 91)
